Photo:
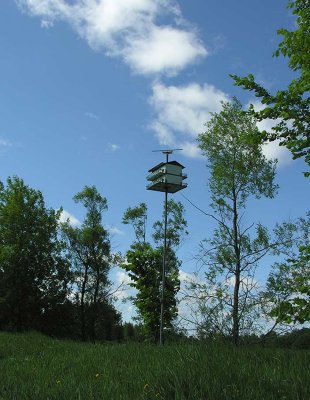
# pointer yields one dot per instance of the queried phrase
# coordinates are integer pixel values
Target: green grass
(35, 367)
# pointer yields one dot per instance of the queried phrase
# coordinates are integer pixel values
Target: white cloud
(47, 9)
(218, 43)
(272, 150)
(122, 281)
(246, 283)
(191, 150)
(129, 29)
(5, 143)
(182, 111)
(186, 278)
(73, 221)
(114, 230)
(164, 49)
(91, 115)
(165, 136)
(46, 24)
(122, 278)
(113, 147)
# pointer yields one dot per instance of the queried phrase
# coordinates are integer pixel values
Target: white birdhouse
(167, 177)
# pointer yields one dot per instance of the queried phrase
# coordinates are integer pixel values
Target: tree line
(54, 277)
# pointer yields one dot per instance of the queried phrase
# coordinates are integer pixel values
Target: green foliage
(237, 165)
(226, 270)
(90, 243)
(131, 332)
(290, 107)
(238, 170)
(34, 274)
(176, 225)
(296, 339)
(288, 285)
(137, 217)
(89, 248)
(144, 264)
(35, 367)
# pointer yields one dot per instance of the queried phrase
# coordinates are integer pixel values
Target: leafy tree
(176, 226)
(131, 332)
(137, 217)
(288, 285)
(238, 170)
(108, 320)
(144, 265)
(128, 331)
(34, 274)
(289, 107)
(296, 339)
(89, 247)
(144, 268)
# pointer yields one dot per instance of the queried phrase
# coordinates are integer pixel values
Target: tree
(34, 273)
(144, 266)
(89, 247)
(137, 217)
(290, 107)
(288, 288)
(176, 226)
(238, 170)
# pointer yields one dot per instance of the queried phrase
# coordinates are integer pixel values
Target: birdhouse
(167, 177)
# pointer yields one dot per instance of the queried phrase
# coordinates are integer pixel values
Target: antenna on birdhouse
(166, 151)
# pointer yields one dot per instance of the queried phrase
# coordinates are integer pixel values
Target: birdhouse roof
(163, 163)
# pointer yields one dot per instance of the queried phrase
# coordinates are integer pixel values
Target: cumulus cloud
(46, 24)
(191, 150)
(122, 278)
(182, 111)
(65, 216)
(272, 150)
(186, 277)
(122, 281)
(129, 29)
(164, 49)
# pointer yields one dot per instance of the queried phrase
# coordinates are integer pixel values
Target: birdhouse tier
(167, 177)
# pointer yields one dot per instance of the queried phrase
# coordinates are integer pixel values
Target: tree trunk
(83, 327)
(235, 312)
(95, 301)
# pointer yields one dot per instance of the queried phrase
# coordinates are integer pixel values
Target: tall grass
(36, 367)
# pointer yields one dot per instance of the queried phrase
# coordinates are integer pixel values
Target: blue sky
(88, 88)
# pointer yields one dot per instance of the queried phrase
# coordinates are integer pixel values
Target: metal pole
(163, 276)
(161, 332)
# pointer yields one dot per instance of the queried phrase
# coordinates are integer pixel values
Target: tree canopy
(238, 170)
(137, 217)
(34, 273)
(289, 108)
(89, 247)
(288, 284)
(144, 267)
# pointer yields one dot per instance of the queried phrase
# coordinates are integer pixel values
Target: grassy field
(36, 367)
